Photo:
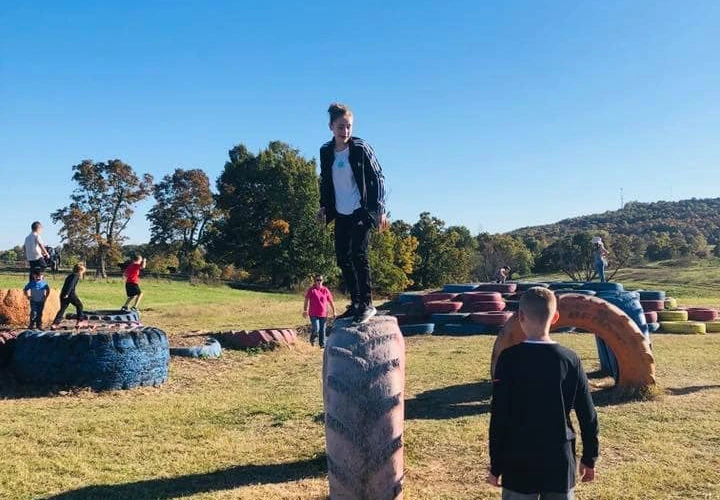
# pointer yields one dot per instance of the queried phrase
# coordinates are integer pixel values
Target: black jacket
(368, 176)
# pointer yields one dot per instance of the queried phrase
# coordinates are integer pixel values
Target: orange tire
(636, 363)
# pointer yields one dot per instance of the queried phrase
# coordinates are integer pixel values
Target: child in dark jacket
(352, 193)
(69, 296)
(536, 385)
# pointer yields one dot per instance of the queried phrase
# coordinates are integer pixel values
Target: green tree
(392, 258)
(101, 207)
(267, 226)
(495, 251)
(183, 212)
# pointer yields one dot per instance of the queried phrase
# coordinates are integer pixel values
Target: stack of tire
(653, 302)
(693, 320)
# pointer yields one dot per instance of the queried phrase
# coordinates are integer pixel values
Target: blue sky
(493, 114)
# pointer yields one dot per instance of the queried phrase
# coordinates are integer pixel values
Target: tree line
(258, 226)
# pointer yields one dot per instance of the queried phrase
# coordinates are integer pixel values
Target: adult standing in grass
(352, 193)
(536, 385)
(317, 299)
(600, 255)
(34, 247)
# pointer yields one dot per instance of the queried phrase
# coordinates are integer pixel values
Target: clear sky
(492, 114)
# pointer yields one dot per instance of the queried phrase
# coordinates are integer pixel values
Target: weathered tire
(409, 297)
(712, 327)
(484, 306)
(688, 327)
(418, 329)
(512, 305)
(496, 318)
(629, 303)
(672, 315)
(702, 314)
(244, 339)
(211, 349)
(526, 285)
(442, 306)
(412, 319)
(652, 305)
(653, 327)
(670, 303)
(652, 295)
(622, 335)
(578, 291)
(109, 316)
(564, 285)
(100, 360)
(470, 297)
(651, 316)
(15, 307)
(598, 286)
(438, 296)
(497, 287)
(7, 344)
(459, 288)
(363, 388)
(464, 329)
(442, 318)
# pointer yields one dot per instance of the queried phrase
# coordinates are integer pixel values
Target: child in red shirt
(132, 282)
(317, 299)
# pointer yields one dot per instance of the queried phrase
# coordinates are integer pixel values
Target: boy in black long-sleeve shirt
(536, 384)
(68, 296)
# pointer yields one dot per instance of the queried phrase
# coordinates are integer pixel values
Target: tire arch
(635, 359)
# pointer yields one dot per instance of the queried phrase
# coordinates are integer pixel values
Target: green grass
(247, 426)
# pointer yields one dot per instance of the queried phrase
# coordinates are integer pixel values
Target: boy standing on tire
(35, 251)
(37, 291)
(317, 298)
(536, 384)
(132, 282)
(68, 296)
(352, 193)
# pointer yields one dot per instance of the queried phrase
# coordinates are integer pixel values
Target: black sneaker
(350, 312)
(364, 314)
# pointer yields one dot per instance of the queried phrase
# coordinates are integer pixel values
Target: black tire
(526, 285)
(7, 344)
(110, 315)
(603, 286)
(443, 318)
(102, 361)
(652, 295)
(417, 329)
(211, 349)
(459, 288)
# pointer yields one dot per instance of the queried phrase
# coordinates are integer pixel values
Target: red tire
(438, 296)
(702, 314)
(651, 317)
(481, 297)
(442, 306)
(484, 306)
(243, 339)
(495, 318)
(497, 287)
(652, 305)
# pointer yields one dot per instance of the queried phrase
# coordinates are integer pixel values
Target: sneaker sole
(361, 321)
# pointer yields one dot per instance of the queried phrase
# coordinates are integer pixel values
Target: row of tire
(664, 316)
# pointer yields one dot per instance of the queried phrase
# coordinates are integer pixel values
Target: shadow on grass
(455, 401)
(192, 484)
(682, 391)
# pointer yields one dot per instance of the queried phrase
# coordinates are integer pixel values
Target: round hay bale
(15, 307)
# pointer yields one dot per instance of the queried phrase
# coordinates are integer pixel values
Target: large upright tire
(100, 360)
(363, 388)
(635, 359)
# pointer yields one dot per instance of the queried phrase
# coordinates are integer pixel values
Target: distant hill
(686, 218)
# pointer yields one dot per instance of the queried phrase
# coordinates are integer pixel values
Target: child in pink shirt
(317, 299)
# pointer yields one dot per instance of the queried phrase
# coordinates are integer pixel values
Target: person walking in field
(132, 282)
(69, 296)
(34, 248)
(352, 193)
(317, 299)
(536, 384)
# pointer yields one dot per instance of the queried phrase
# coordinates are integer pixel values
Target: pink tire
(484, 306)
(482, 297)
(702, 314)
(442, 307)
(651, 316)
(494, 318)
(652, 305)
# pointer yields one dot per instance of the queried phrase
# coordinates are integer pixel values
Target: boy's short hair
(538, 304)
(35, 225)
(79, 268)
(338, 110)
(136, 257)
(37, 271)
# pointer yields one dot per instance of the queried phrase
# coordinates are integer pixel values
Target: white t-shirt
(347, 195)
(32, 246)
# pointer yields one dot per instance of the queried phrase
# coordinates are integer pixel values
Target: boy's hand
(493, 480)
(587, 474)
(305, 314)
(321, 215)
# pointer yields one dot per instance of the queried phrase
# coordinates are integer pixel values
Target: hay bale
(15, 307)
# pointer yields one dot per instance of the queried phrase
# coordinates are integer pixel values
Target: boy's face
(37, 277)
(318, 282)
(342, 128)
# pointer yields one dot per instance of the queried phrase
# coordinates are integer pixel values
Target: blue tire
(653, 327)
(459, 288)
(652, 295)
(99, 360)
(409, 298)
(418, 329)
(607, 286)
(573, 290)
(464, 329)
(442, 318)
(526, 285)
(211, 349)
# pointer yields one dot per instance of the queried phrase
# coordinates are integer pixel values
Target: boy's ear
(555, 318)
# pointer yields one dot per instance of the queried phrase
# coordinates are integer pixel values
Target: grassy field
(248, 426)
